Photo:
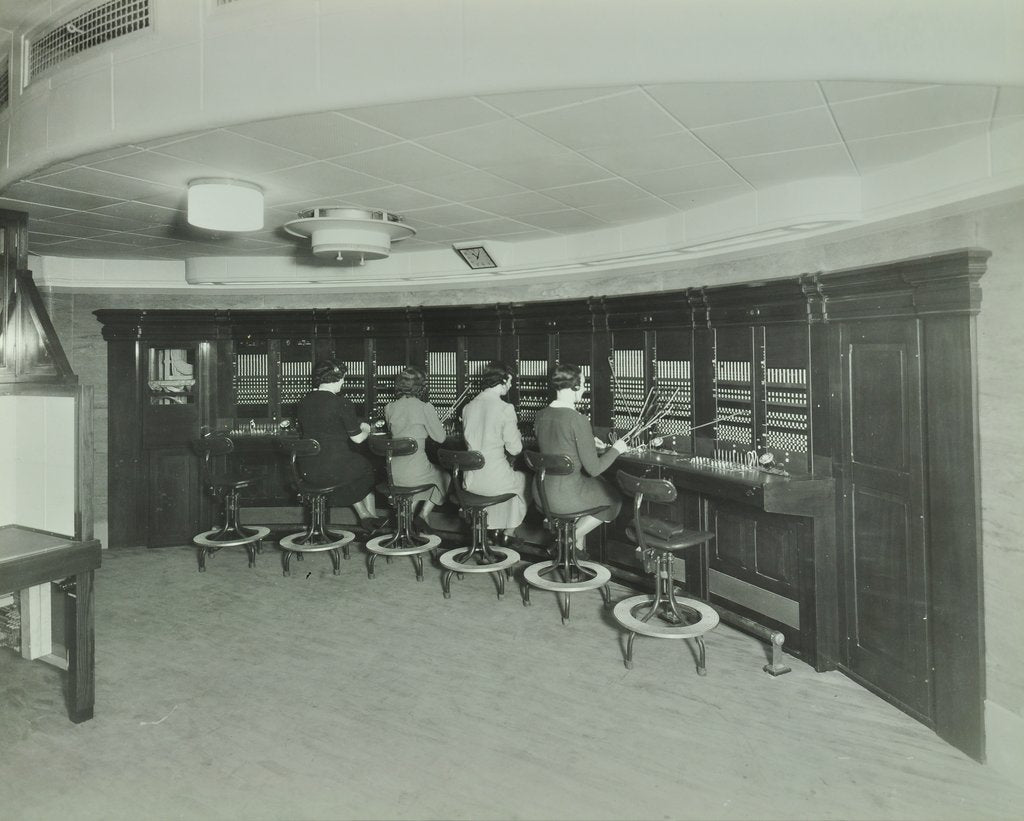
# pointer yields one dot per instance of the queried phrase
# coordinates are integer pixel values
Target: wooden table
(31, 557)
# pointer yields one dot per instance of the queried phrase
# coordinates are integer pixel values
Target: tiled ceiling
(512, 167)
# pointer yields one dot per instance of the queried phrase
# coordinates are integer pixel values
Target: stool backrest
(458, 461)
(299, 448)
(661, 491)
(639, 487)
(556, 464)
(208, 446)
(389, 448)
(214, 444)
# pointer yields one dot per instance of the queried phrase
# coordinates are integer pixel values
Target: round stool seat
(450, 562)
(206, 539)
(533, 575)
(468, 499)
(292, 542)
(658, 628)
(377, 546)
(222, 484)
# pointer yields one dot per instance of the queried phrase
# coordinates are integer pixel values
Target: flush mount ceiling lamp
(219, 204)
(350, 235)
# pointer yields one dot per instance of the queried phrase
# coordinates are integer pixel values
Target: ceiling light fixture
(350, 235)
(221, 204)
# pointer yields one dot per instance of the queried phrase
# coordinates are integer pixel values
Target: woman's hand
(620, 445)
(599, 443)
(364, 427)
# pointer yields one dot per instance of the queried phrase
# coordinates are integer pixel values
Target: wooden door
(883, 584)
(173, 509)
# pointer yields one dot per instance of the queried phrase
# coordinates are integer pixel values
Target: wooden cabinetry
(859, 386)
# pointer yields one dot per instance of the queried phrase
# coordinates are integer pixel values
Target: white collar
(559, 403)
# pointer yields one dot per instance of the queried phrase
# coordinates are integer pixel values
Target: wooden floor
(239, 693)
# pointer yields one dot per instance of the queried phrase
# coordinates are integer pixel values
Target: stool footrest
(292, 542)
(655, 627)
(449, 561)
(381, 546)
(533, 575)
(207, 539)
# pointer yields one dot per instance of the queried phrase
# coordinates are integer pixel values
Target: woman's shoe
(371, 524)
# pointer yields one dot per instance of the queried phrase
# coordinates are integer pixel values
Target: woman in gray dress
(489, 426)
(560, 428)
(410, 417)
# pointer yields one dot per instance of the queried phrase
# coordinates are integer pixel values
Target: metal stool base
(293, 544)
(654, 625)
(502, 567)
(534, 576)
(208, 543)
(382, 546)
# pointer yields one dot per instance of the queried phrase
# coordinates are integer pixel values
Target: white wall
(37, 451)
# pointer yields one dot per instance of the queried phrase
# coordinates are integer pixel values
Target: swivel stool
(663, 615)
(566, 573)
(316, 538)
(223, 482)
(479, 556)
(403, 541)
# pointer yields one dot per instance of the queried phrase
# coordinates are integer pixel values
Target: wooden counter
(31, 557)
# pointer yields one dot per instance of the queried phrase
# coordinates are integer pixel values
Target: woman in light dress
(489, 426)
(411, 417)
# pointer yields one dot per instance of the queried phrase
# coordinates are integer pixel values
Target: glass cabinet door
(171, 376)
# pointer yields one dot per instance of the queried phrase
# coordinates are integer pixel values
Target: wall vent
(81, 31)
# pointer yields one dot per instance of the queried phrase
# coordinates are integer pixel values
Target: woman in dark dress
(560, 428)
(331, 419)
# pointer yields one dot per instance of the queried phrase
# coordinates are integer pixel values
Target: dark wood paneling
(885, 606)
(170, 425)
(777, 557)
(954, 503)
(173, 496)
(126, 481)
(735, 543)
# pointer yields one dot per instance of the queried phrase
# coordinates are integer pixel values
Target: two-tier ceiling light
(220, 204)
(350, 235)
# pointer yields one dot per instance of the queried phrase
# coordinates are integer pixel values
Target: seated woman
(489, 426)
(410, 417)
(560, 428)
(331, 419)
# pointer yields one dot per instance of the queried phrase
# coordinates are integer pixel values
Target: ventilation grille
(83, 31)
